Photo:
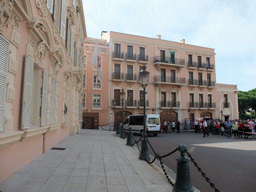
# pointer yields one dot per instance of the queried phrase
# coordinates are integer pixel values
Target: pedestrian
(169, 126)
(240, 129)
(200, 126)
(173, 126)
(222, 128)
(205, 128)
(165, 127)
(196, 126)
(235, 128)
(178, 127)
(217, 128)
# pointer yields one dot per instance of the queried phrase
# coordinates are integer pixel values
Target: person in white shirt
(196, 126)
(165, 127)
(205, 129)
(173, 126)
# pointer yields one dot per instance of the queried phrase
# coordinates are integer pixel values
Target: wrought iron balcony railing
(143, 58)
(169, 60)
(131, 103)
(141, 103)
(192, 82)
(130, 56)
(169, 104)
(117, 76)
(130, 77)
(168, 79)
(118, 55)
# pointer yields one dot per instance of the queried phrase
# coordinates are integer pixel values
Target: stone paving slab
(93, 161)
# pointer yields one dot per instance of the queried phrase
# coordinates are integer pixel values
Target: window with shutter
(72, 44)
(44, 99)
(27, 92)
(63, 19)
(4, 53)
(56, 14)
(50, 5)
(53, 102)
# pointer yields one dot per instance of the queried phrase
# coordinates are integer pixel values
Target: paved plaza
(94, 160)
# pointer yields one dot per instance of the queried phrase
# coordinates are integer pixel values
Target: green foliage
(247, 100)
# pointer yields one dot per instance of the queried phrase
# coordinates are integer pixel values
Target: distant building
(41, 64)
(95, 91)
(182, 82)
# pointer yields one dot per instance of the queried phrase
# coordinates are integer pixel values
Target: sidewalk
(94, 160)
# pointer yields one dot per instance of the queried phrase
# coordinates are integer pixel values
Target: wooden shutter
(63, 19)
(44, 99)
(50, 5)
(4, 53)
(72, 45)
(53, 102)
(27, 92)
(56, 15)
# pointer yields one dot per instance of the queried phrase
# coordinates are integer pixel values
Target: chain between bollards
(202, 173)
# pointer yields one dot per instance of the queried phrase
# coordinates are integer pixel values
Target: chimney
(158, 36)
(183, 41)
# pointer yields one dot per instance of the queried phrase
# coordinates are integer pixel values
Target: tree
(247, 100)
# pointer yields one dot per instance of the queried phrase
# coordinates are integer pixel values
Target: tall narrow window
(117, 50)
(117, 71)
(173, 99)
(191, 78)
(84, 80)
(209, 82)
(141, 102)
(117, 96)
(163, 75)
(208, 64)
(163, 99)
(83, 100)
(199, 61)
(162, 55)
(173, 76)
(172, 57)
(201, 100)
(129, 72)
(190, 60)
(209, 100)
(142, 53)
(191, 100)
(129, 52)
(200, 79)
(226, 104)
(129, 98)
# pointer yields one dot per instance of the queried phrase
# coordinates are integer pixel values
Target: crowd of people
(171, 126)
(229, 127)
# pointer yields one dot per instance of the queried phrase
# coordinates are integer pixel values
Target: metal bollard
(122, 135)
(183, 183)
(130, 137)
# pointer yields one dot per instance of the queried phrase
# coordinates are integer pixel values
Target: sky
(228, 26)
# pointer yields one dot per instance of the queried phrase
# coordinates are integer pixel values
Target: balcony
(201, 83)
(130, 57)
(210, 83)
(193, 105)
(210, 105)
(199, 105)
(169, 104)
(131, 77)
(209, 67)
(226, 104)
(192, 65)
(117, 104)
(169, 80)
(192, 82)
(118, 56)
(141, 103)
(143, 58)
(116, 76)
(201, 66)
(130, 104)
(168, 61)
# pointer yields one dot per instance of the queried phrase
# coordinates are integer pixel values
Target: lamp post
(122, 127)
(114, 104)
(144, 77)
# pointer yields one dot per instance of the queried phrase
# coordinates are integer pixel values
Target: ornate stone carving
(15, 38)
(10, 94)
(56, 35)
(32, 42)
(6, 11)
(9, 123)
(72, 15)
(41, 52)
(13, 66)
(41, 5)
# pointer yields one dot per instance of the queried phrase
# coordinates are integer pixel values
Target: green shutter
(4, 53)
(27, 92)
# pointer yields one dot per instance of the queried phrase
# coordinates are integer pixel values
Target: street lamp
(114, 104)
(144, 77)
(122, 127)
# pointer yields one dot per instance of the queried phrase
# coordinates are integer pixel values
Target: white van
(136, 123)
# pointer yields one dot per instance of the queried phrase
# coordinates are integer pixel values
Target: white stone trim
(32, 132)
(10, 137)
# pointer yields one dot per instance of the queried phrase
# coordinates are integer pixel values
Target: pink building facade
(41, 64)
(95, 98)
(182, 81)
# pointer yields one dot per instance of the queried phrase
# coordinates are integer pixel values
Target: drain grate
(58, 148)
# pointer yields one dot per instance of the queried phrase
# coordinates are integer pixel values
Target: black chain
(167, 177)
(202, 173)
(170, 153)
